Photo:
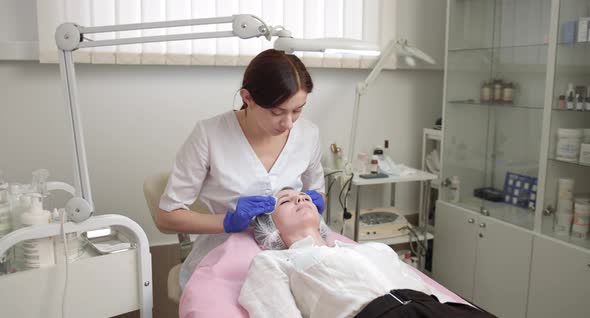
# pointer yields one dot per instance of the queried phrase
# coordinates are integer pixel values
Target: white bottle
(39, 252)
(455, 189)
(570, 97)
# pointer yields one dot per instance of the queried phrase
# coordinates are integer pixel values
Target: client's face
(294, 212)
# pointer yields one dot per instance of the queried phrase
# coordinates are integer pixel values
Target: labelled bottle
(455, 190)
(38, 252)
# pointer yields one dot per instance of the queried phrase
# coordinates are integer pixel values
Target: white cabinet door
(502, 268)
(454, 249)
(560, 281)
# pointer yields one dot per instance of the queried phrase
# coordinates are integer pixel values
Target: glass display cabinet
(494, 100)
(567, 172)
(513, 216)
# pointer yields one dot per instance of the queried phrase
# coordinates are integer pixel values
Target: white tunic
(321, 281)
(218, 165)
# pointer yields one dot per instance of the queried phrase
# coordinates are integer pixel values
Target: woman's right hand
(246, 209)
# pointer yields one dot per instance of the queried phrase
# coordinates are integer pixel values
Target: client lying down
(303, 277)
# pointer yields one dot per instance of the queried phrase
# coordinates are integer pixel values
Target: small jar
(508, 93)
(486, 92)
(497, 91)
(561, 102)
(374, 165)
(581, 220)
(568, 144)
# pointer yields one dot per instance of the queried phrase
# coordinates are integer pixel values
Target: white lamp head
(327, 45)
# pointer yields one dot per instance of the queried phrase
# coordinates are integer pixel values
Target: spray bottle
(39, 252)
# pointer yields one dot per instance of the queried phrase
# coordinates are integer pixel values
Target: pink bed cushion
(214, 287)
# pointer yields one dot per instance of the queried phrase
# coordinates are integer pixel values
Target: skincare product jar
(568, 144)
(581, 219)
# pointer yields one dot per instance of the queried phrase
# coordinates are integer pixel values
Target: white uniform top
(312, 281)
(218, 165)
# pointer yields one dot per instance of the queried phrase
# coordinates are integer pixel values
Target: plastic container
(568, 144)
(563, 223)
(39, 252)
(581, 219)
(565, 188)
(361, 164)
(455, 189)
(374, 164)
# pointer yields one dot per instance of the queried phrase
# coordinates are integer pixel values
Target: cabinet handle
(482, 225)
(484, 211)
(471, 221)
(480, 235)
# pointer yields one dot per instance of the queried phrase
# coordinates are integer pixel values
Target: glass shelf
(573, 111)
(574, 45)
(569, 162)
(539, 46)
(499, 210)
(474, 103)
(548, 230)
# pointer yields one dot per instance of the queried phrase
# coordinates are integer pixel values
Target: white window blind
(369, 20)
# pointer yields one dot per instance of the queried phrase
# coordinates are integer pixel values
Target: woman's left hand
(317, 199)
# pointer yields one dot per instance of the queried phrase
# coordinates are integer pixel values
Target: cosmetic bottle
(579, 102)
(374, 164)
(498, 91)
(454, 189)
(486, 93)
(561, 102)
(570, 97)
(508, 93)
(38, 252)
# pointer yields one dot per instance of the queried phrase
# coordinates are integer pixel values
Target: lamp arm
(401, 48)
(70, 37)
(361, 89)
(391, 47)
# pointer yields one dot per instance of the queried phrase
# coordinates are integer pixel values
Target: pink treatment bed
(214, 287)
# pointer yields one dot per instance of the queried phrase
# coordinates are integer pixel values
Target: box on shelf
(585, 154)
(568, 35)
(582, 29)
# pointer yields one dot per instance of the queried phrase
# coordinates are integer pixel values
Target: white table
(423, 177)
(98, 286)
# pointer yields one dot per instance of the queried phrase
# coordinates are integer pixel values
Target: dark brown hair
(272, 77)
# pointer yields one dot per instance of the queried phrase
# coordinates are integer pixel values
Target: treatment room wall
(136, 117)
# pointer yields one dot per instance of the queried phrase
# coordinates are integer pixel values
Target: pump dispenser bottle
(39, 252)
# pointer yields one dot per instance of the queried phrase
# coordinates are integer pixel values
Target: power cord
(421, 249)
(344, 203)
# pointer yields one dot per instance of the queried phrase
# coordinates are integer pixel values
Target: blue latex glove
(317, 199)
(246, 209)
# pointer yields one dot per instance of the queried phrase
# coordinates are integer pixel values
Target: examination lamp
(70, 37)
(402, 49)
